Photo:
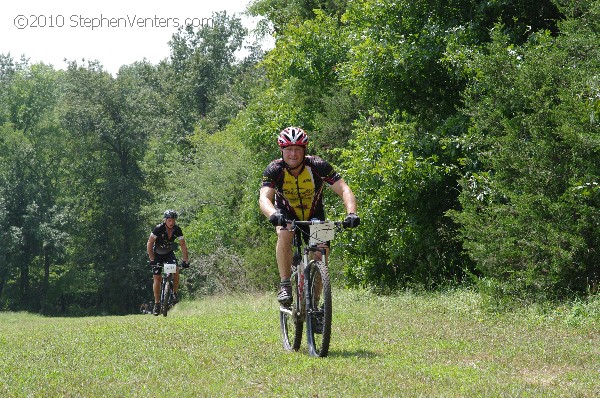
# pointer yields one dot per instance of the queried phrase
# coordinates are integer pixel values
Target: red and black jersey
(301, 196)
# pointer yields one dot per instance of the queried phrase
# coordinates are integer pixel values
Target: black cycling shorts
(163, 259)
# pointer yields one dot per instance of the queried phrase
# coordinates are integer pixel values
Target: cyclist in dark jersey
(161, 249)
(292, 189)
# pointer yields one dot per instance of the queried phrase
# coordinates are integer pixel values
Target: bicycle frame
(306, 274)
(166, 287)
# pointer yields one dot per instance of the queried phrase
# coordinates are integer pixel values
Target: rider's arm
(265, 201)
(150, 246)
(343, 190)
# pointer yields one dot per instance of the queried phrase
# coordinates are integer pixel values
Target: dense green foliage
(530, 203)
(467, 129)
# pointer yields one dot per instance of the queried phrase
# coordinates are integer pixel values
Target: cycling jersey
(163, 243)
(300, 197)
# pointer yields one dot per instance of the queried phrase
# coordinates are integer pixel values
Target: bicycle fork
(166, 281)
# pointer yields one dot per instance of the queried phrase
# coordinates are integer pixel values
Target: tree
(109, 121)
(283, 13)
(305, 65)
(530, 199)
(202, 67)
(31, 149)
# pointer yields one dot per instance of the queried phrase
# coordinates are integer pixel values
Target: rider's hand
(277, 219)
(351, 221)
(185, 264)
(152, 263)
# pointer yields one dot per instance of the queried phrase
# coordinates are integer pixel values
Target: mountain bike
(167, 295)
(311, 290)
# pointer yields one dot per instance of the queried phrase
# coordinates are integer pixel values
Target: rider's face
(170, 222)
(293, 155)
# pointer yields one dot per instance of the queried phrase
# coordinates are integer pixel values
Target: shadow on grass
(352, 354)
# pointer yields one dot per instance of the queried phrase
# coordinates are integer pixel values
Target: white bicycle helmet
(292, 136)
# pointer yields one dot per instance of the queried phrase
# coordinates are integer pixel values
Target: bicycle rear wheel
(291, 318)
(318, 317)
(165, 295)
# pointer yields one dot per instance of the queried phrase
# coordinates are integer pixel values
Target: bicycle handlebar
(313, 222)
(161, 264)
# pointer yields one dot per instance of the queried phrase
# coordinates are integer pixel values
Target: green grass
(409, 345)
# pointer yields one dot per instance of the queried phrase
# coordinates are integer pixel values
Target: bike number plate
(321, 233)
(170, 268)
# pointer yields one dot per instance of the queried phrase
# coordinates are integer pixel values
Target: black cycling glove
(277, 219)
(185, 264)
(351, 221)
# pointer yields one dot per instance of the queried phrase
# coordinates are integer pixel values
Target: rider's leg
(176, 281)
(318, 287)
(156, 288)
(283, 252)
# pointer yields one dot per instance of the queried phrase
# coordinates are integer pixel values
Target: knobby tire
(164, 298)
(291, 325)
(318, 317)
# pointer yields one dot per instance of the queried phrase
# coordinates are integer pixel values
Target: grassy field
(409, 345)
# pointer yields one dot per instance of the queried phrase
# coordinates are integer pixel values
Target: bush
(404, 188)
(530, 200)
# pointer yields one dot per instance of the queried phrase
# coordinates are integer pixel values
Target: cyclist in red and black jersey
(292, 189)
(160, 246)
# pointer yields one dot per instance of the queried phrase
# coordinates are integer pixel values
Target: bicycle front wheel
(318, 315)
(165, 294)
(291, 318)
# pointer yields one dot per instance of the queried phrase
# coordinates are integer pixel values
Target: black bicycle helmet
(170, 214)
